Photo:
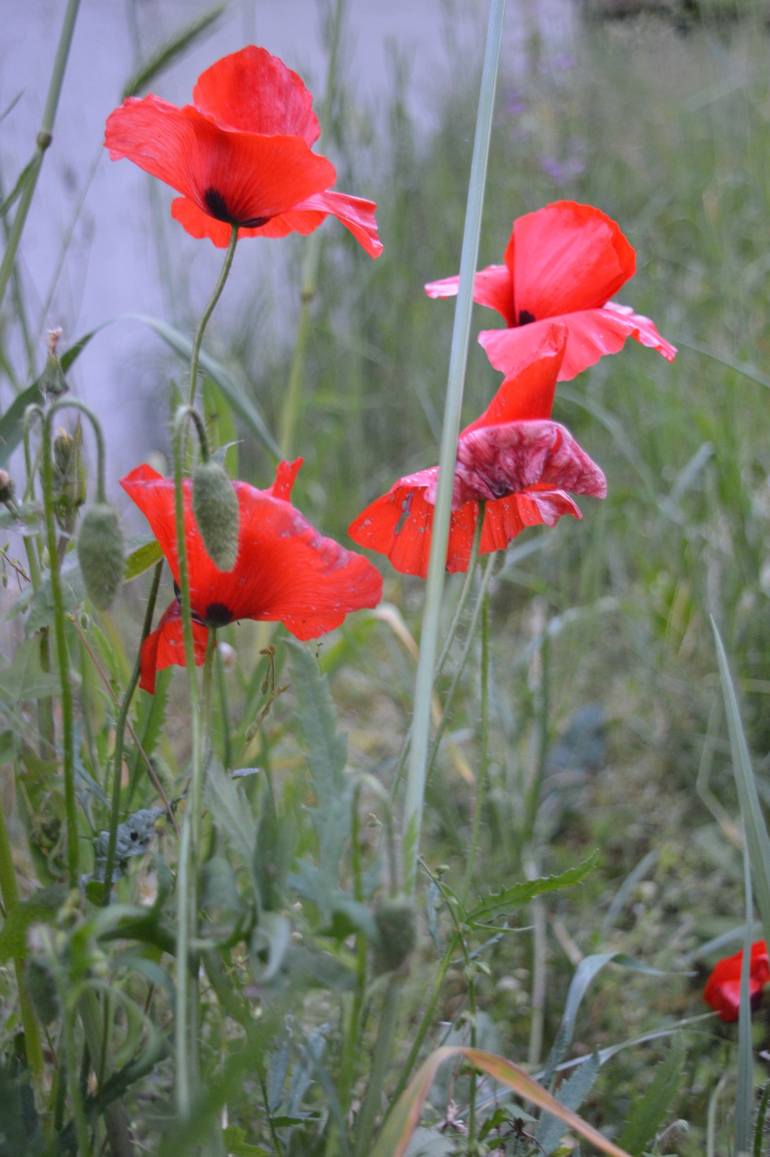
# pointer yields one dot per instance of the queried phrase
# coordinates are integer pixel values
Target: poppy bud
(6, 487)
(41, 987)
(69, 479)
(216, 512)
(100, 553)
(53, 380)
(397, 929)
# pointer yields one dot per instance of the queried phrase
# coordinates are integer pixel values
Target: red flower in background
(240, 154)
(723, 987)
(513, 459)
(564, 261)
(285, 570)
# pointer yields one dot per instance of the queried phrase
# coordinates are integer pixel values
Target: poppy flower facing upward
(285, 570)
(240, 154)
(564, 261)
(723, 987)
(513, 463)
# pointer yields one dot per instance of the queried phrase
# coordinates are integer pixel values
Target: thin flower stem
(310, 265)
(68, 733)
(224, 712)
(481, 787)
(120, 730)
(470, 636)
(379, 1068)
(467, 586)
(418, 756)
(43, 141)
(198, 339)
(185, 1044)
(10, 895)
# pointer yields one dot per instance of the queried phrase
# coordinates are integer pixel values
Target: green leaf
(168, 52)
(41, 908)
(24, 678)
(233, 389)
(237, 1145)
(142, 559)
(648, 1113)
(526, 891)
(232, 813)
(326, 755)
(571, 1094)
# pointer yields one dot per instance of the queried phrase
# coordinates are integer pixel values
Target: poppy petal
(494, 461)
(591, 334)
(165, 646)
(355, 213)
(285, 477)
(723, 987)
(492, 287)
(254, 91)
(529, 391)
(285, 570)
(567, 257)
(234, 177)
(505, 518)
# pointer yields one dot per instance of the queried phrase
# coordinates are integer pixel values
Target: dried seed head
(397, 933)
(216, 511)
(100, 553)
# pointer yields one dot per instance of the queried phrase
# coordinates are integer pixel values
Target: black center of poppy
(525, 317)
(216, 206)
(217, 615)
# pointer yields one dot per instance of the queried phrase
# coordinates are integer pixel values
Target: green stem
(185, 1064)
(120, 731)
(10, 894)
(44, 138)
(310, 265)
(379, 1068)
(418, 760)
(470, 636)
(224, 713)
(481, 789)
(198, 339)
(68, 732)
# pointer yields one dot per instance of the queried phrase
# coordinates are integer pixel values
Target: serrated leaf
(231, 812)
(326, 754)
(233, 389)
(527, 890)
(648, 1113)
(571, 1094)
(142, 559)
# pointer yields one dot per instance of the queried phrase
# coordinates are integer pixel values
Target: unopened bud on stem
(215, 506)
(100, 553)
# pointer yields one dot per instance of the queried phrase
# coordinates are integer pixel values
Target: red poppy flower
(240, 154)
(723, 988)
(285, 570)
(513, 459)
(564, 261)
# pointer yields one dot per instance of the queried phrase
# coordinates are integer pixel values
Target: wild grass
(606, 727)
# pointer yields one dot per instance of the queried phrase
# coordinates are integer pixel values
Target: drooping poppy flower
(285, 570)
(723, 987)
(513, 462)
(240, 154)
(564, 261)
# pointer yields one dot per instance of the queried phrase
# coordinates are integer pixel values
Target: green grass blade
(745, 1091)
(168, 52)
(757, 840)
(648, 1113)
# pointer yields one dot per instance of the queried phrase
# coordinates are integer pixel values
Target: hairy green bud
(397, 933)
(69, 477)
(6, 486)
(216, 511)
(100, 553)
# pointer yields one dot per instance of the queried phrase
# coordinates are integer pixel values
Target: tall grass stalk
(418, 756)
(43, 141)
